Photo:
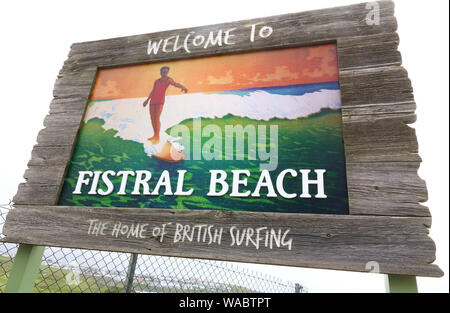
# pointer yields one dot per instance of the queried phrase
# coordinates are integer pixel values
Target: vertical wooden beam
(401, 284)
(25, 268)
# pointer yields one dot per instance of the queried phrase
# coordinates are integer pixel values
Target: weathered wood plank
(301, 21)
(45, 175)
(71, 104)
(376, 111)
(37, 194)
(63, 119)
(377, 103)
(75, 83)
(399, 245)
(291, 30)
(375, 85)
(369, 59)
(379, 42)
(379, 137)
(393, 189)
(50, 156)
(72, 90)
(378, 50)
(58, 136)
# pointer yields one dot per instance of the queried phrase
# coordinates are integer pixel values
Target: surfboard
(169, 153)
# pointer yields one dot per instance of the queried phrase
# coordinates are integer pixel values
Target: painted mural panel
(257, 131)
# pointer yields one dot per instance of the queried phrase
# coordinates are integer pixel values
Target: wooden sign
(280, 140)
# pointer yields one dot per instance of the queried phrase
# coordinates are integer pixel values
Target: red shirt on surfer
(157, 97)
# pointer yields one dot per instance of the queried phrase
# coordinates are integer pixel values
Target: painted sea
(114, 136)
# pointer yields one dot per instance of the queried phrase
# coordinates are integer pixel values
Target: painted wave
(293, 90)
(132, 121)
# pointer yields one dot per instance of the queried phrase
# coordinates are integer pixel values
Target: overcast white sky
(36, 38)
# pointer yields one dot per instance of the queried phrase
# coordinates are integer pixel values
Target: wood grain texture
(306, 28)
(388, 223)
(391, 188)
(51, 155)
(398, 245)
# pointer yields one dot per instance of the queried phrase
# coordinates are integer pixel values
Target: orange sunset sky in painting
(290, 66)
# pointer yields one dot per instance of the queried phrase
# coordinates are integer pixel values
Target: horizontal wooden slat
(70, 104)
(50, 155)
(398, 245)
(36, 194)
(377, 111)
(302, 22)
(57, 136)
(375, 85)
(380, 138)
(386, 189)
(377, 105)
(63, 119)
(45, 175)
(289, 30)
(369, 51)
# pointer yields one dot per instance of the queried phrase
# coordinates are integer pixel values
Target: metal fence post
(401, 284)
(24, 271)
(130, 272)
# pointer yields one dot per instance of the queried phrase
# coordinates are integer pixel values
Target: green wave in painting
(314, 142)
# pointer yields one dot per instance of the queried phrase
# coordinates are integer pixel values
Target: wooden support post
(25, 268)
(401, 284)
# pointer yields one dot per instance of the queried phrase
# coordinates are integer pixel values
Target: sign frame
(387, 228)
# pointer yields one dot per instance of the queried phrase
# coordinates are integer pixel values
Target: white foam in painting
(132, 121)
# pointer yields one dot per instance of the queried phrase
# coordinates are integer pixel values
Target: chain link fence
(76, 270)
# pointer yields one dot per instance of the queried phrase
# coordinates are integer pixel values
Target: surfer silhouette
(157, 97)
